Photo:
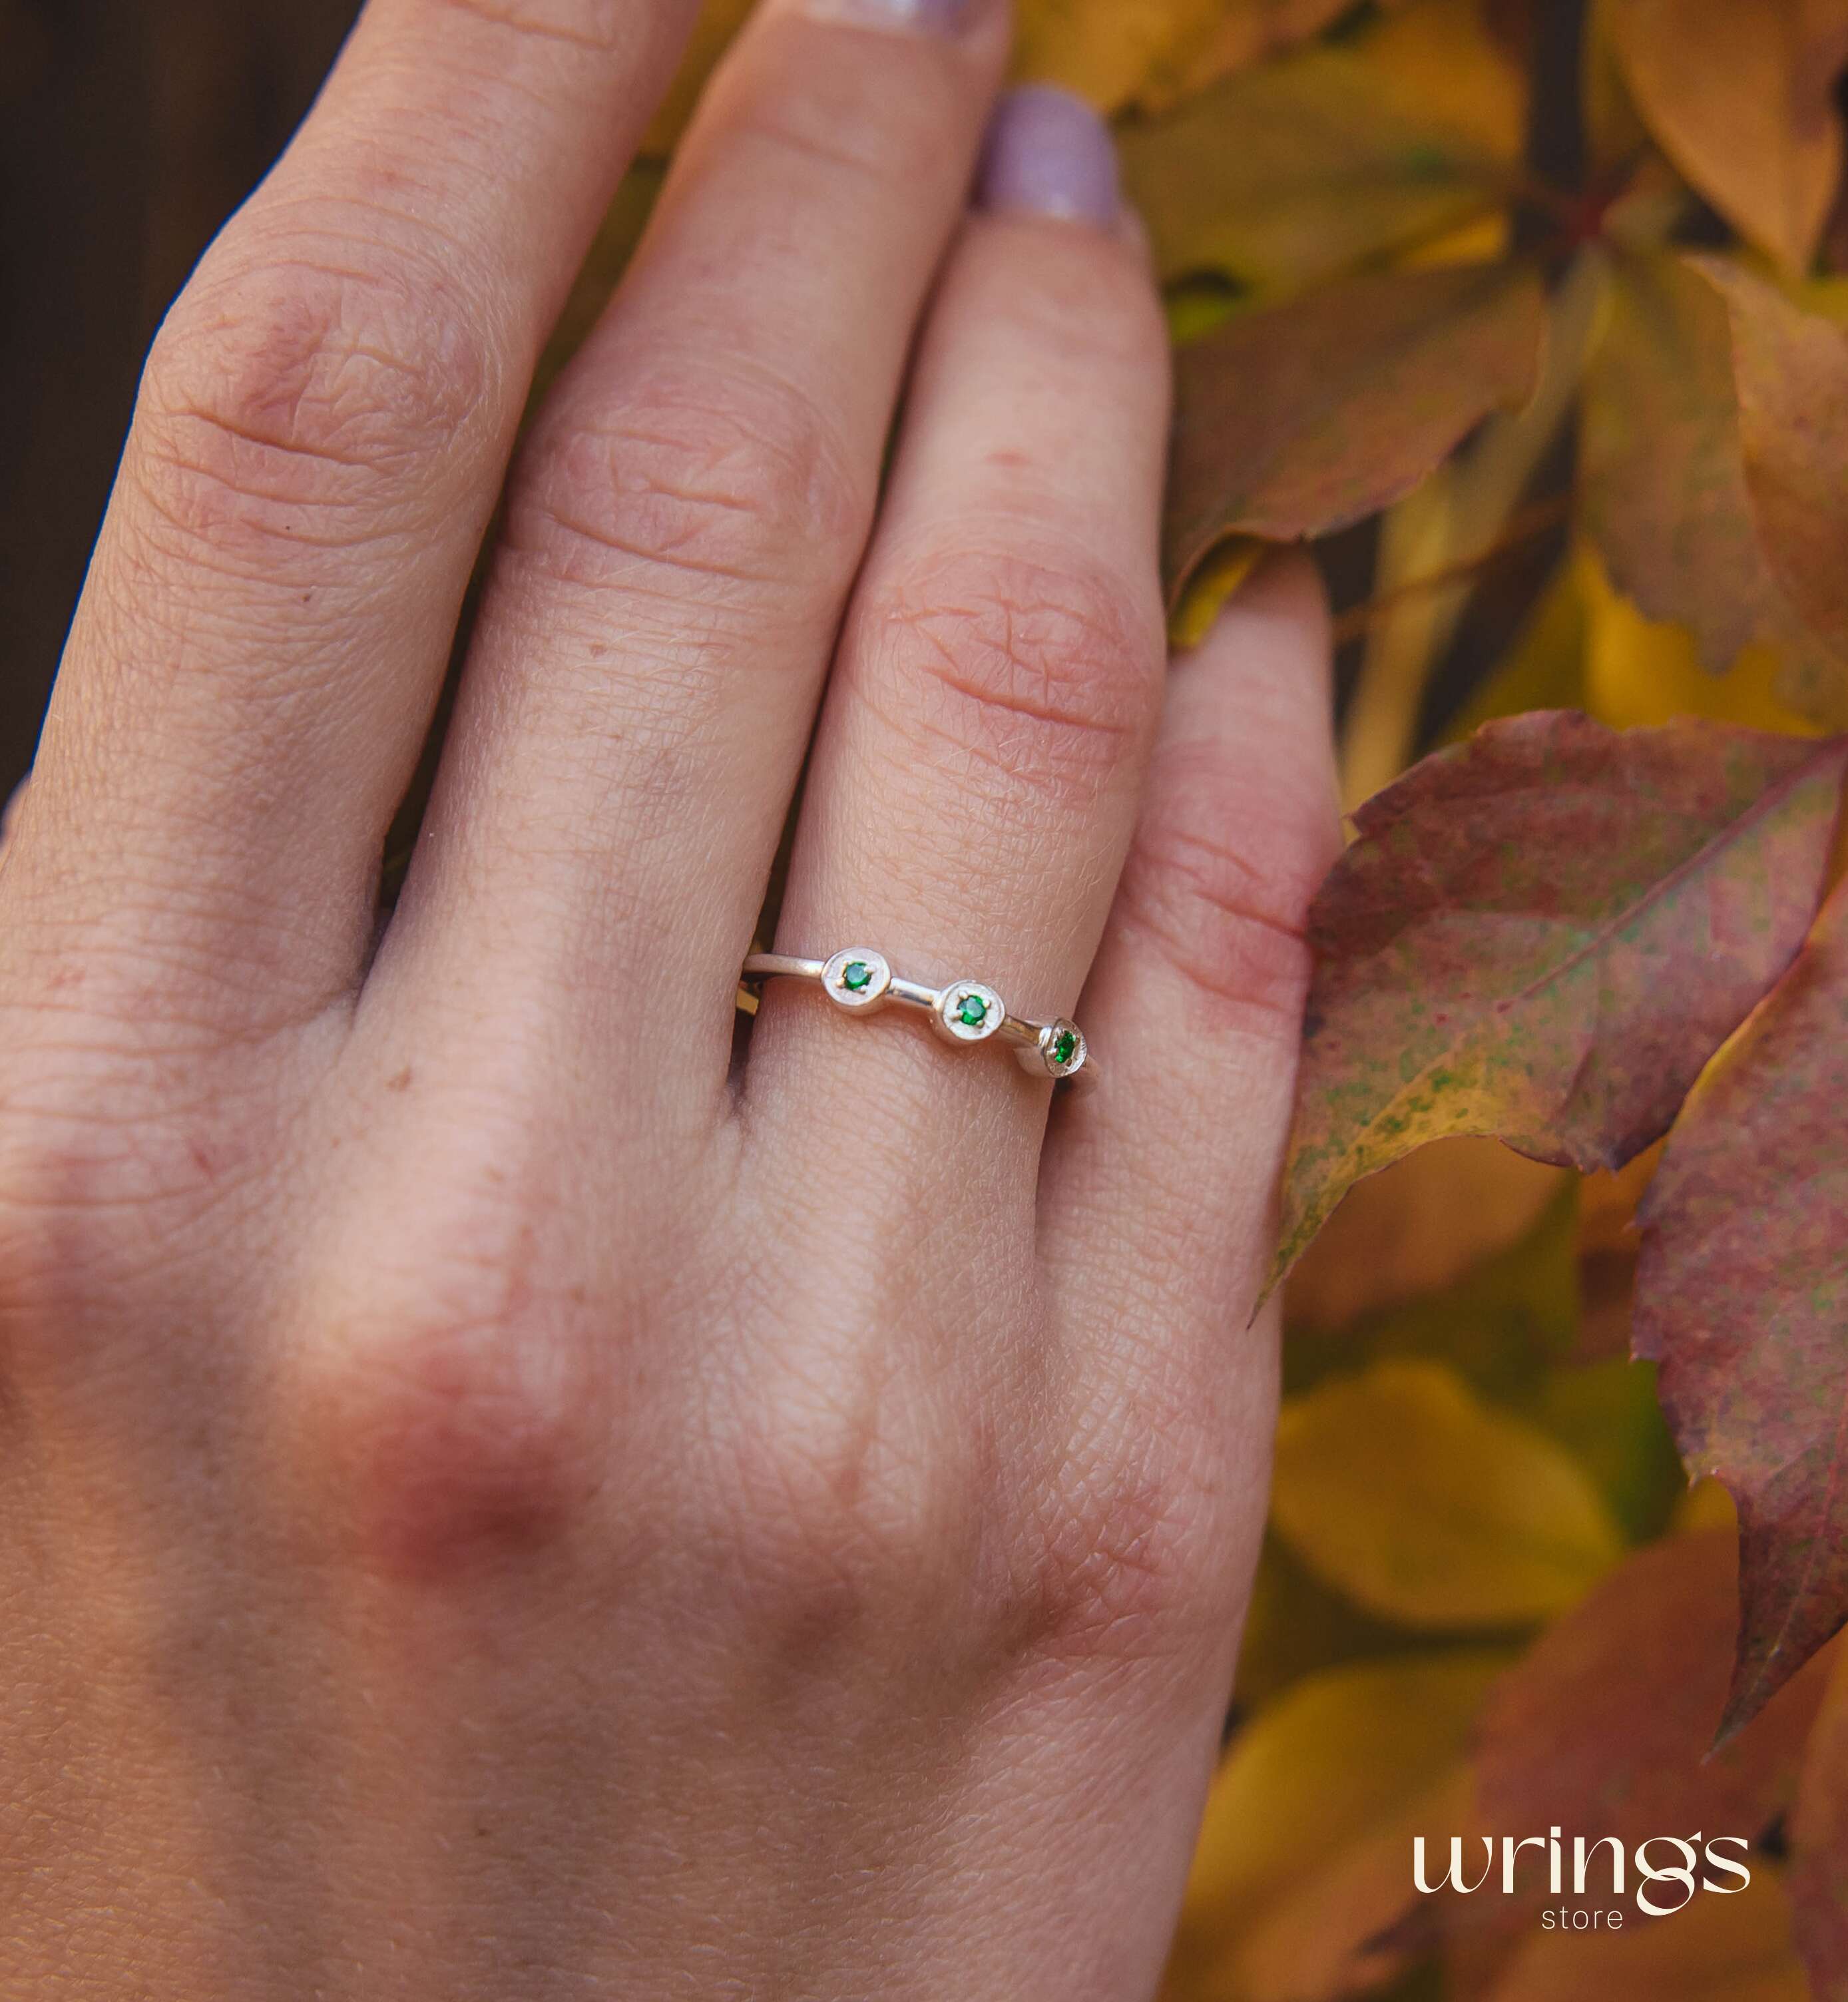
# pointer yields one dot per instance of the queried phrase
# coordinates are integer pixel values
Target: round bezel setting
(1062, 1049)
(858, 980)
(969, 1011)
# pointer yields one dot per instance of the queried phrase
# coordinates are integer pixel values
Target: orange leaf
(1741, 97)
(1734, 1948)
(1663, 487)
(1819, 1839)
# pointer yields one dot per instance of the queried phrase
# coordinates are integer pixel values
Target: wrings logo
(1664, 1873)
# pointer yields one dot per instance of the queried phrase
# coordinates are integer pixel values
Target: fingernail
(941, 17)
(1048, 153)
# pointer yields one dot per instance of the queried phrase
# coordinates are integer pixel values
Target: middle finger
(682, 534)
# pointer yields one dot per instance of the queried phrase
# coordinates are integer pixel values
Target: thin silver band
(860, 982)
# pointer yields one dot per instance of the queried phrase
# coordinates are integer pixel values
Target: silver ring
(860, 982)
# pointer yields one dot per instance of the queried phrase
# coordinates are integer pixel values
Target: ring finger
(974, 782)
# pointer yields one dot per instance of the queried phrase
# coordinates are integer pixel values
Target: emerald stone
(856, 977)
(1065, 1049)
(973, 1011)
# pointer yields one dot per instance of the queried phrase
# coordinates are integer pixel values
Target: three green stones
(858, 980)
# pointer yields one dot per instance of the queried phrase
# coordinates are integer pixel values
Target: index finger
(323, 428)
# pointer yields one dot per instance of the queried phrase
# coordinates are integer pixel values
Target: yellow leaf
(1484, 241)
(1730, 1949)
(1741, 97)
(1424, 1505)
(1323, 163)
(1438, 59)
(1325, 1768)
(1638, 673)
(1250, 30)
(1332, 1936)
(1210, 588)
(1708, 1504)
(1112, 50)
(1614, 134)
(1296, 1628)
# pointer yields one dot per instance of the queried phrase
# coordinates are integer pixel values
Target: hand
(495, 1504)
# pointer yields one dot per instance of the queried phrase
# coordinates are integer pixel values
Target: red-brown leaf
(1544, 933)
(1312, 415)
(1743, 1295)
(1606, 1726)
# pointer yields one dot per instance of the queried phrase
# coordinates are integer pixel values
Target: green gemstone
(856, 977)
(973, 1011)
(1064, 1049)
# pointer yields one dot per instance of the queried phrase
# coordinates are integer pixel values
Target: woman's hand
(496, 1505)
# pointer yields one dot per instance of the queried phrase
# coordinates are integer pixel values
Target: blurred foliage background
(1489, 1600)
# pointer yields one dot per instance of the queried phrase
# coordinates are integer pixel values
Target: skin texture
(497, 1501)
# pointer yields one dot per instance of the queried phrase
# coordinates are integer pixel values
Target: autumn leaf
(1426, 1505)
(1742, 1297)
(1742, 99)
(1322, 1765)
(1544, 933)
(1247, 31)
(1662, 476)
(1296, 1626)
(1110, 54)
(1297, 172)
(1819, 1843)
(1734, 1949)
(1501, 1325)
(1606, 1416)
(1302, 1853)
(1641, 673)
(1606, 1727)
(1306, 417)
(1417, 1228)
(1791, 368)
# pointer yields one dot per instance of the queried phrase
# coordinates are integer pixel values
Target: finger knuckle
(601, 27)
(736, 484)
(1221, 885)
(452, 1405)
(296, 401)
(102, 1184)
(1020, 671)
(849, 1519)
(1127, 1552)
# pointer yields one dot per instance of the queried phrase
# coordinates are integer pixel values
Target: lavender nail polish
(1048, 153)
(942, 17)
